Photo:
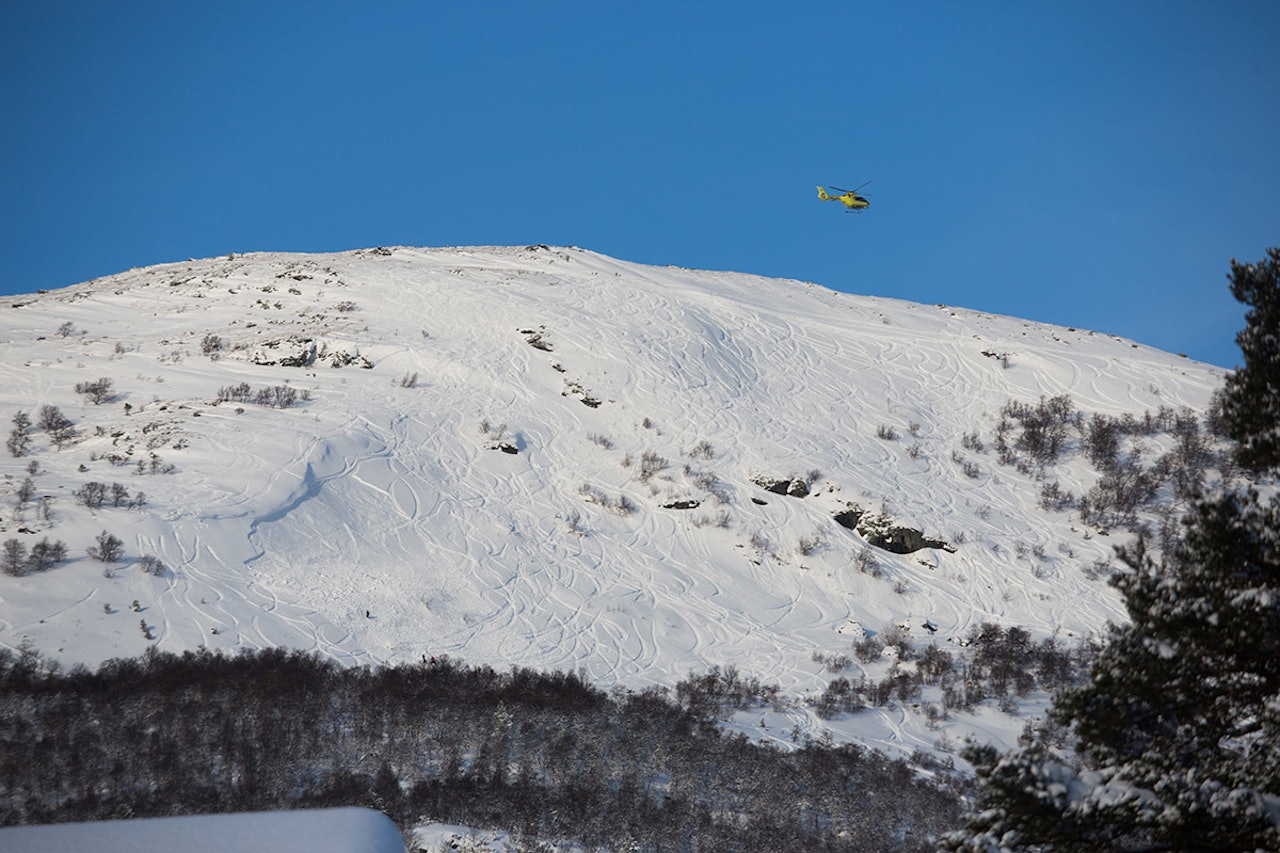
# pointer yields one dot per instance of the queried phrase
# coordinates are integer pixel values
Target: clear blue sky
(1094, 164)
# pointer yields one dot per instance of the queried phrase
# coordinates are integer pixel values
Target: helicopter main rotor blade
(854, 190)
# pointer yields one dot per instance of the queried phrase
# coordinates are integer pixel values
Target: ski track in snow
(374, 522)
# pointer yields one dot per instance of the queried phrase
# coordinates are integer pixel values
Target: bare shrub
(573, 521)
(867, 563)
(1044, 426)
(869, 649)
(496, 431)
(109, 549)
(20, 437)
(13, 557)
(722, 519)
(712, 484)
(277, 396)
(57, 425)
(650, 464)
(702, 450)
(25, 492)
(235, 393)
(45, 554)
(810, 544)
(1098, 570)
(841, 697)
(1101, 441)
(92, 495)
(1052, 497)
(761, 544)
(832, 662)
(1115, 499)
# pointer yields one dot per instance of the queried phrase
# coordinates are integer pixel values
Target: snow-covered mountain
(544, 457)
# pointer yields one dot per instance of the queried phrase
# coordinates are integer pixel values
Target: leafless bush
(496, 431)
(867, 563)
(277, 396)
(1052, 497)
(44, 555)
(886, 432)
(92, 495)
(869, 649)
(20, 437)
(235, 393)
(1115, 499)
(57, 425)
(602, 441)
(831, 662)
(702, 450)
(594, 495)
(25, 492)
(761, 544)
(810, 544)
(841, 697)
(721, 520)
(98, 391)
(1044, 426)
(108, 549)
(13, 557)
(1098, 570)
(573, 520)
(650, 464)
(711, 483)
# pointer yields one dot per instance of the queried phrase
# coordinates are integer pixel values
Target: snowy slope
(378, 520)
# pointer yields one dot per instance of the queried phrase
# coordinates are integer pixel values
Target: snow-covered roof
(347, 830)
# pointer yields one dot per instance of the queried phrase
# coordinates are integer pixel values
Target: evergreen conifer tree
(1251, 398)
(1179, 723)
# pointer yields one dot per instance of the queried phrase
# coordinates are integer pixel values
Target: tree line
(541, 755)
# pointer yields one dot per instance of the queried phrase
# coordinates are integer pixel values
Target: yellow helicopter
(849, 198)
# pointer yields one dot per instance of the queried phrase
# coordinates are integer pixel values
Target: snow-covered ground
(378, 518)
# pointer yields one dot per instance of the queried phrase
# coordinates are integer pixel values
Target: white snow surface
(375, 522)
